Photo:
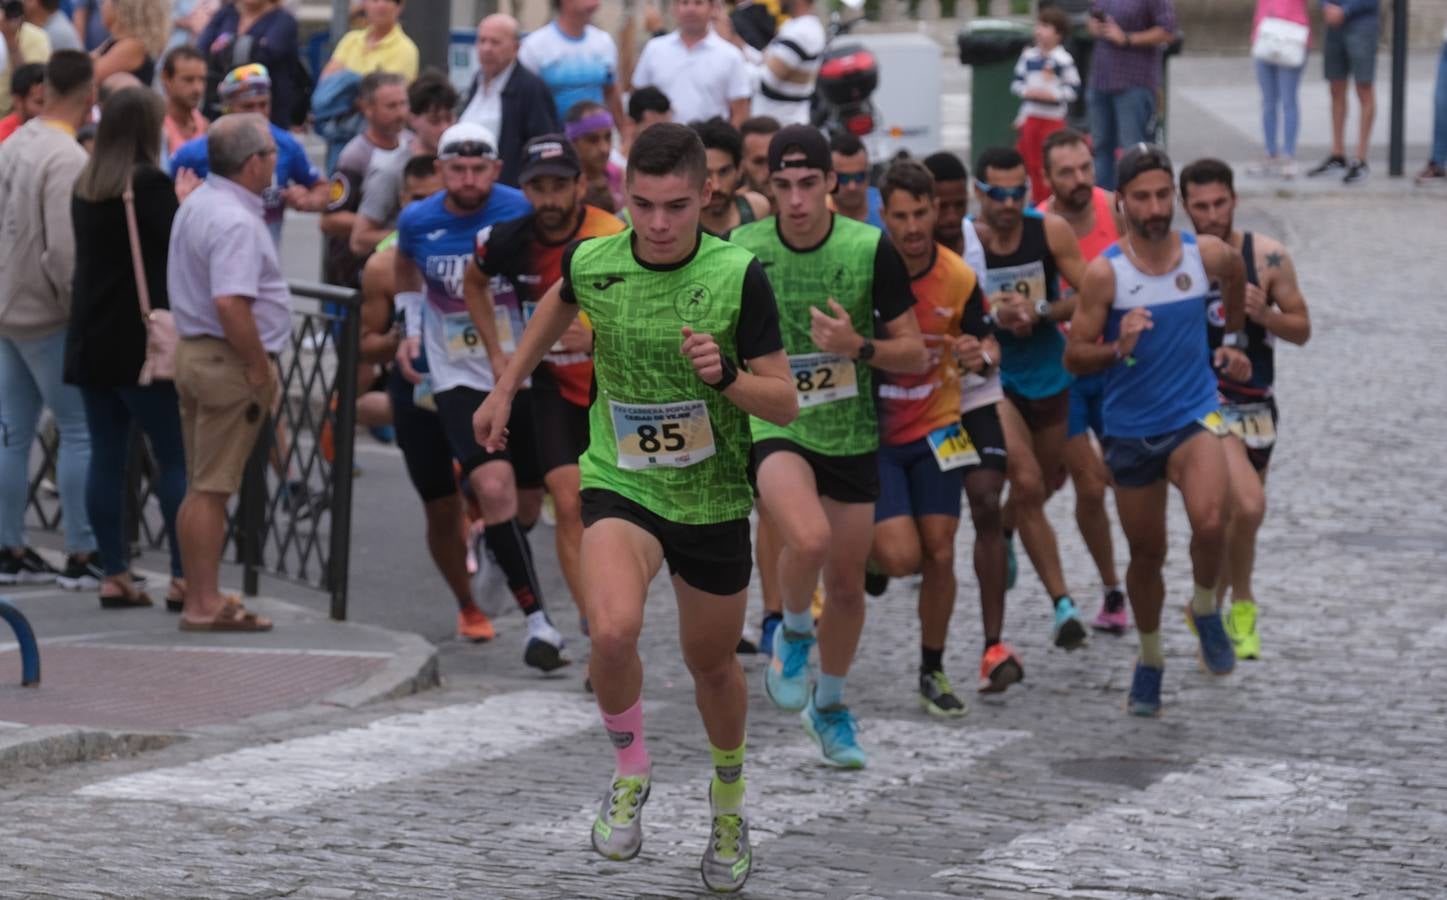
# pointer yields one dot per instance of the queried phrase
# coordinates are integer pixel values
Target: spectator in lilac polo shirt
(233, 315)
(1125, 75)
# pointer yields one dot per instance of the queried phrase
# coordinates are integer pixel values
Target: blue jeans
(1118, 119)
(1439, 130)
(30, 378)
(110, 412)
(1279, 88)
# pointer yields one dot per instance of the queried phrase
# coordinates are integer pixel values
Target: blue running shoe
(832, 728)
(1145, 691)
(1012, 568)
(786, 680)
(1069, 631)
(1217, 655)
(766, 638)
(383, 434)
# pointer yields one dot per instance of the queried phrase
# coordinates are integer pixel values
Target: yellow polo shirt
(34, 48)
(393, 53)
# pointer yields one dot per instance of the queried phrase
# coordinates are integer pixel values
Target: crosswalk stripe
(789, 787)
(299, 772)
(1220, 806)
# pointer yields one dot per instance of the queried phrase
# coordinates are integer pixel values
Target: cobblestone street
(1318, 771)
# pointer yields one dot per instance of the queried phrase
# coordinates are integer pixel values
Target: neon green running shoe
(1241, 628)
(618, 830)
(728, 858)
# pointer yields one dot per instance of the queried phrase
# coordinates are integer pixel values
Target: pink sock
(625, 730)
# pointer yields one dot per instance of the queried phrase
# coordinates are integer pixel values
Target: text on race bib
(952, 447)
(463, 341)
(664, 434)
(1027, 280)
(529, 308)
(1252, 423)
(823, 378)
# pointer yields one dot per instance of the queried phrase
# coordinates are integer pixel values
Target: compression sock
(799, 622)
(931, 660)
(1203, 601)
(509, 547)
(1151, 652)
(727, 790)
(829, 691)
(625, 730)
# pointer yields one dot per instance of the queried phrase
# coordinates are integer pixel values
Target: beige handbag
(160, 362)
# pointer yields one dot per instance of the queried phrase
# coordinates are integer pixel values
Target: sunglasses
(477, 149)
(854, 178)
(1002, 194)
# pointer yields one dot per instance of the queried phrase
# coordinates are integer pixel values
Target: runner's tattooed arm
(1225, 266)
(1288, 319)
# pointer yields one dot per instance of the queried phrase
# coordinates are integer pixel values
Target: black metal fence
(293, 516)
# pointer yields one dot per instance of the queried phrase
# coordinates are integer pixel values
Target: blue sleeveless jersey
(1171, 383)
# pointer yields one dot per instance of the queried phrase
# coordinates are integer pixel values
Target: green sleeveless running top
(657, 434)
(836, 396)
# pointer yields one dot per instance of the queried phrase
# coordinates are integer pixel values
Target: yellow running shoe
(1241, 628)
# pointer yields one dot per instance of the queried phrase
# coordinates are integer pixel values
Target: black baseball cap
(800, 138)
(549, 154)
(1140, 159)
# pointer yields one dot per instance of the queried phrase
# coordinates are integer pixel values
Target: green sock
(1151, 652)
(1203, 601)
(727, 791)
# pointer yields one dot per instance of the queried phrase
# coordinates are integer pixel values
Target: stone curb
(412, 669)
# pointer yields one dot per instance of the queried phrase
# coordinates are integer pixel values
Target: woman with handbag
(120, 349)
(1280, 38)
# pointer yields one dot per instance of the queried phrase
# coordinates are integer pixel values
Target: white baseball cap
(467, 139)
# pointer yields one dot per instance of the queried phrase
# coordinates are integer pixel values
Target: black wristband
(730, 374)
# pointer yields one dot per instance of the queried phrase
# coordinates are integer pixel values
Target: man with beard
(1026, 255)
(1162, 421)
(1070, 171)
(1275, 309)
(528, 253)
(757, 132)
(728, 207)
(436, 240)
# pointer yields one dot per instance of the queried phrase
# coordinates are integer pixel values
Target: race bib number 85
(823, 378)
(667, 434)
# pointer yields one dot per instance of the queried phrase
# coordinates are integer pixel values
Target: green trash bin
(991, 47)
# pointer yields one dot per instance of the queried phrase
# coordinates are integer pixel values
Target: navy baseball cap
(549, 154)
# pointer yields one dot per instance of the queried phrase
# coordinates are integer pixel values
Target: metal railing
(292, 518)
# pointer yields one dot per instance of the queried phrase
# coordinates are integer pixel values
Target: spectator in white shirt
(791, 66)
(704, 76)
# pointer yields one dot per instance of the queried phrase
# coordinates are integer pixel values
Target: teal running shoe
(618, 830)
(832, 728)
(1069, 631)
(786, 680)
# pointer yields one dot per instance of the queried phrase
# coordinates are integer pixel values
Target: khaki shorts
(221, 413)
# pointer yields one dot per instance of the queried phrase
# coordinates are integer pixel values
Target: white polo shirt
(699, 81)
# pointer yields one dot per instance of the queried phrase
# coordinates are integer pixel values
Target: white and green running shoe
(618, 830)
(938, 698)
(728, 858)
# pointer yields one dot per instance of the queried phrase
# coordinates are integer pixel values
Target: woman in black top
(257, 31)
(139, 31)
(106, 344)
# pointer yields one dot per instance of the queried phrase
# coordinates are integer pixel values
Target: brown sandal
(176, 596)
(232, 617)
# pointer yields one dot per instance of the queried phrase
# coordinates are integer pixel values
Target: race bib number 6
(463, 341)
(667, 434)
(823, 378)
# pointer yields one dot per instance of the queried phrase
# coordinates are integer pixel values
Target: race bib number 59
(666, 434)
(823, 378)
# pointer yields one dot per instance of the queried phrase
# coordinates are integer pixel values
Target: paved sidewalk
(114, 681)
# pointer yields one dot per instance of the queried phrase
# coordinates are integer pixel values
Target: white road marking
(788, 786)
(302, 771)
(1220, 808)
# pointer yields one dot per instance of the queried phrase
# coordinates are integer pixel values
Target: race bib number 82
(823, 378)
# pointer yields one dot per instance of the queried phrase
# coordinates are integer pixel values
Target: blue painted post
(25, 636)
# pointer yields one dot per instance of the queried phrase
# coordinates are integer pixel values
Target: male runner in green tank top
(838, 282)
(687, 347)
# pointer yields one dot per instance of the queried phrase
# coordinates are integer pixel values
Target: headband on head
(602, 120)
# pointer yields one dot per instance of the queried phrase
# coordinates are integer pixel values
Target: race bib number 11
(823, 378)
(667, 434)
(1252, 423)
